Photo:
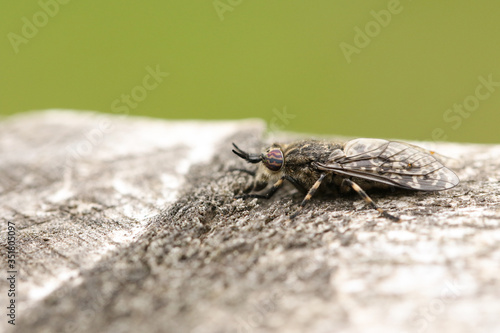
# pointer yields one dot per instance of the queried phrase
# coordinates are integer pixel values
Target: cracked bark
(130, 223)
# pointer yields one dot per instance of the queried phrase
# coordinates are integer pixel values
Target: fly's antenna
(251, 158)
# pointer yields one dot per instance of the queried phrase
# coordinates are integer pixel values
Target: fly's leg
(268, 195)
(297, 185)
(309, 195)
(251, 173)
(368, 200)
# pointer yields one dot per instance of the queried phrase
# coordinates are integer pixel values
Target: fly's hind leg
(368, 200)
(309, 195)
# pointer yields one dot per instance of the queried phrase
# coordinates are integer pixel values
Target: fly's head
(271, 164)
(273, 159)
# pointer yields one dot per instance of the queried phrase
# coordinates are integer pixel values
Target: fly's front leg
(368, 200)
(309, 195)
(268, 195)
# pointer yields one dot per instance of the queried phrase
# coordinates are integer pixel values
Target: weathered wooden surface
(129, 224)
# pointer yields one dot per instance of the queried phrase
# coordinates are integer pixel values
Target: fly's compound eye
(273, 159)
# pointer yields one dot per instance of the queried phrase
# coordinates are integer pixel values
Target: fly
(357, 164)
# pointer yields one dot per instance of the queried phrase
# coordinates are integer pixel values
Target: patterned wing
(391, 162)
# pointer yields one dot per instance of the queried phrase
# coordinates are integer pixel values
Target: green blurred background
(233, 59)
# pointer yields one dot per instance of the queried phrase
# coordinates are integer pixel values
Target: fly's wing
(391, 162)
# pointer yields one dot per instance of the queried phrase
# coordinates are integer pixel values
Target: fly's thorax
(300, 157)
(307, 151)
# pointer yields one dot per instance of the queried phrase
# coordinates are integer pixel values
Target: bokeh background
(390, 69)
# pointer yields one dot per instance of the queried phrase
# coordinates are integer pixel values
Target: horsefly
(360, 164)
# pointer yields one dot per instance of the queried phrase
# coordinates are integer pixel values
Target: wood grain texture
(136, 229)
